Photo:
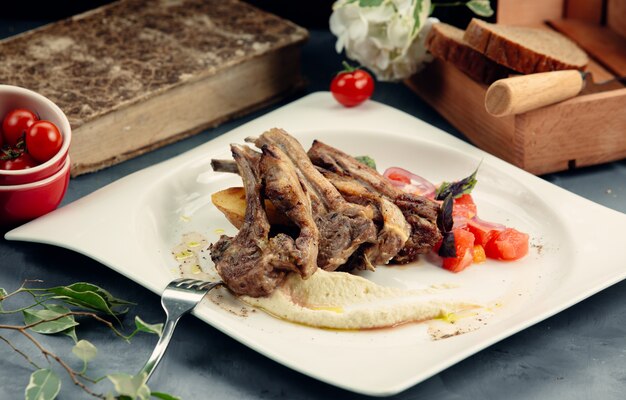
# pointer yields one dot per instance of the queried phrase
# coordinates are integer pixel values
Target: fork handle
(161, 346)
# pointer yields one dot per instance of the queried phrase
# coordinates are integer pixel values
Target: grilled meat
(342, 226)
(393, 229)
(251, 263)
(419, 212)
(282, 187)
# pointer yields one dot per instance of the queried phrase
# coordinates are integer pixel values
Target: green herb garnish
(458, 188)
(445, 223)
(367, 160)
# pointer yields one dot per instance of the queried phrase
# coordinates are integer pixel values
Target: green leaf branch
(55, 311)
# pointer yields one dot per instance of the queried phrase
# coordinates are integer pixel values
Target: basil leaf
(448, 247)
(458, 188)
(3, 294)
(367, 160)
(444, 219)
(143, 326)
(50, 327)
(480, 7)
(44, 384)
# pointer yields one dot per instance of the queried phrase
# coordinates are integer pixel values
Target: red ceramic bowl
(12, 97)
(21, 203)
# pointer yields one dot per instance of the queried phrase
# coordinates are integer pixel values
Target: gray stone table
(578, 354)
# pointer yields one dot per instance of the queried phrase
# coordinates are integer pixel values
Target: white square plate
(132, 225)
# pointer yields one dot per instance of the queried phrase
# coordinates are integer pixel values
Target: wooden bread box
(586, 130)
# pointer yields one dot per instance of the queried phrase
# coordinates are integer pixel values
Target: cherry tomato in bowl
(15, 124)
(13, 97)
(23, 161)
(43, 140)
(352, 86)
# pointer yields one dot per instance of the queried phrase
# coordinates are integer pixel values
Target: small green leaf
(90, 287)
(3, 294)
(367, 160)
(57, 325)
(132, 386)
(143, 326)
(44, 384)
(480, 7)
(164, 396)
(88, 300)
(84, 350)
(89, 296)
(71, 331)
(370, 3)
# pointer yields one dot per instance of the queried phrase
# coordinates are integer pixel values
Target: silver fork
(178, 298)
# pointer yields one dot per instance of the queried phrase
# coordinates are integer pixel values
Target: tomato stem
(347, 67)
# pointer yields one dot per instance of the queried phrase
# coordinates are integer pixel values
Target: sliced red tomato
(464, 246)
(509, 244)
(464, 206)
(483, 231)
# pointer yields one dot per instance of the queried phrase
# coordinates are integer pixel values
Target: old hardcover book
(135, 75)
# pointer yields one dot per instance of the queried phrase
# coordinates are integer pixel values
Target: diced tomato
(479, 254)
(484, 231)
(464, 206)
(464, 246)
(509, 244)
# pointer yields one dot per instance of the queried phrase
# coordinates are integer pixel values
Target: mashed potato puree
(340, 300)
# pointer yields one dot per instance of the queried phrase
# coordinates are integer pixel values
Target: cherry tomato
(43, 140)
(23, 161)
(352, 86)
(16, 123)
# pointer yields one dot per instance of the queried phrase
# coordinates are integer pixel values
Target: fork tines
(187, 283)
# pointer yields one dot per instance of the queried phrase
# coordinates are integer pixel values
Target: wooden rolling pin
(523, 93)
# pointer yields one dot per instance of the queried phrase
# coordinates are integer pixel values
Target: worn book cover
(135, 75)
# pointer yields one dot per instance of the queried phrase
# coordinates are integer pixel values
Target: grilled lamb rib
(393, 230)
(420, 212)
(343, 226)
(282, 187)
(251, 263)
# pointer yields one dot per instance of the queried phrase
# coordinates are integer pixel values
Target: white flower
(387, 38)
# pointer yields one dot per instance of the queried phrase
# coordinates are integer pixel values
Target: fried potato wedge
(232, 203)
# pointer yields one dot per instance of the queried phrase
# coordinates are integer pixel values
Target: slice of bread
(446, 42)
(523, 49)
